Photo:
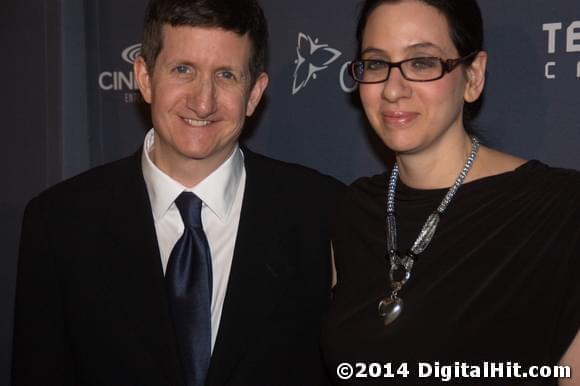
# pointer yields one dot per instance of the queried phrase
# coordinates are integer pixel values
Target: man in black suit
(96, 301)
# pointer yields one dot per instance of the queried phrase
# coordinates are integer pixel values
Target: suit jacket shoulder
(90, 301)
(294, 179)
(98, 182)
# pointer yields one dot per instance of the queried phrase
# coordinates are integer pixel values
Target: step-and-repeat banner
(311, 113)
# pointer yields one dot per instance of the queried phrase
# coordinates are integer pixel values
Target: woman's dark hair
(463, 17)
(239, 16)
(465, 27)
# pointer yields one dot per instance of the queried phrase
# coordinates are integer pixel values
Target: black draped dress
(500, 281)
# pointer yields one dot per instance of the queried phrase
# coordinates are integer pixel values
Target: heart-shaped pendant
(390, 309)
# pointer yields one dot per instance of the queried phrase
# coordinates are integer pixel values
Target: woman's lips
(399, 117)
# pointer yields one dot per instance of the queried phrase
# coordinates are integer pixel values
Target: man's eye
(227, 75)
(181, 69)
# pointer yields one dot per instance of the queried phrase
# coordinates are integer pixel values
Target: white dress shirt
(221, 192)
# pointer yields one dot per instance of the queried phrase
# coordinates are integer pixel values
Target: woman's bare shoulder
(491, 162)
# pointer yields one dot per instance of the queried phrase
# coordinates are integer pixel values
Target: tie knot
(189, 206)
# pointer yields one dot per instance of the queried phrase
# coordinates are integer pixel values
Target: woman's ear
(475, 77)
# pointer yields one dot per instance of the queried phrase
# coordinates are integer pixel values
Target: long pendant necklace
(391, 306)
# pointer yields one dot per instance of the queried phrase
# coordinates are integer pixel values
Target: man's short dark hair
(239, 16)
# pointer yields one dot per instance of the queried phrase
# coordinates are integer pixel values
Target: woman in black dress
(460, 263)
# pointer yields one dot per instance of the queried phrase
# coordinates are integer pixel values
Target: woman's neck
(436, 167)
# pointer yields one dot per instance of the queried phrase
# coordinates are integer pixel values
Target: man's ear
(256, 93)
(143, 78)
(475, 77)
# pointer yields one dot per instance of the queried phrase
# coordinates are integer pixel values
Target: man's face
(200, 92)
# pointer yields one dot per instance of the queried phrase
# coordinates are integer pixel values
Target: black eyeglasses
(424, 69)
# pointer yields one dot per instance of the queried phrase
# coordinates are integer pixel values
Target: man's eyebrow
(178, 62)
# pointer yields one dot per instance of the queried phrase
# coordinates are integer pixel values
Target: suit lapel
(257, 276)
(137, 272)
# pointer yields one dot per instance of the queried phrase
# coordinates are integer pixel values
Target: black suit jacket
(91, 306)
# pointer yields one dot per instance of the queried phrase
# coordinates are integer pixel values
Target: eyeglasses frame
(447, 65)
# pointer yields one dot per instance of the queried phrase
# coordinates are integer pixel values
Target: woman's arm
(572, 358)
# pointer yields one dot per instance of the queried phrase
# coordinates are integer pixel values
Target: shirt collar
(217, 190)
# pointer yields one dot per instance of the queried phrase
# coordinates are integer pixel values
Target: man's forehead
(211, 39)
(200, 28)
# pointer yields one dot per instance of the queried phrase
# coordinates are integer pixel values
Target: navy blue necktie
(188, 279)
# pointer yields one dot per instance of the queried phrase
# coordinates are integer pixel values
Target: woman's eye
(375, 65)
(424, 63)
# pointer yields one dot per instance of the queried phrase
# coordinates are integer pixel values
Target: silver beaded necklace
(391, 306)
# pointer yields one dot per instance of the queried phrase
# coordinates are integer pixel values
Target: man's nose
(202, 98)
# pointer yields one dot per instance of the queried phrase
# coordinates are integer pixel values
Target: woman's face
(411, 116)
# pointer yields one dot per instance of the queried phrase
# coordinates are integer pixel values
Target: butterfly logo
(311, 57)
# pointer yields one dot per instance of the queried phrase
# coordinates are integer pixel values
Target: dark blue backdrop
(70, 101)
